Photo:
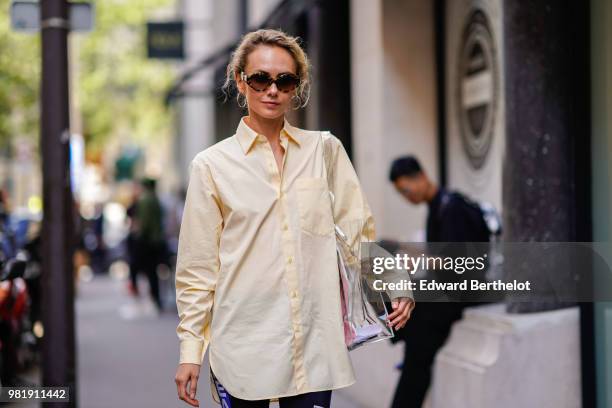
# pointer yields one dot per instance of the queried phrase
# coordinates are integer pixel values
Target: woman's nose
(273, 89)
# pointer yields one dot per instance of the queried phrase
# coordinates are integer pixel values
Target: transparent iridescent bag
(364, 312)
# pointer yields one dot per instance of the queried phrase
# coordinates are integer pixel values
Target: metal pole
(59, 361)
(243, 16)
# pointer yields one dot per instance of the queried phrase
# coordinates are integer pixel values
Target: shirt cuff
(396, 294)
(192, 351)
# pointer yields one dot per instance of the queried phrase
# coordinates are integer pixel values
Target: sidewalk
(126, 355)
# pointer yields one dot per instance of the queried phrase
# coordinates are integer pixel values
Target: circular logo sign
(477, 92)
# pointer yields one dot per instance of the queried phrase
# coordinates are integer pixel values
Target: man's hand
(402, 309)
(187, 375)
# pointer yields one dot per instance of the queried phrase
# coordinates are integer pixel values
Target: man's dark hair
(404, 166)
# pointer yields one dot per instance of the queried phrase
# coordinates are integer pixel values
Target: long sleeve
(197, 263)
(350, 208)
(352, 212)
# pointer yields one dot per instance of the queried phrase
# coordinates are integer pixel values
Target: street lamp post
(59, 360)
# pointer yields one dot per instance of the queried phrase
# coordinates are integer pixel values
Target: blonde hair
(269, 37)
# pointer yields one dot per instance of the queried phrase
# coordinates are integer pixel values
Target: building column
(546, 168)
(367, 59)
(508, 355)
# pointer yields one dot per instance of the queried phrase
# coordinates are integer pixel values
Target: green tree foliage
(19, 80)
(120, 91)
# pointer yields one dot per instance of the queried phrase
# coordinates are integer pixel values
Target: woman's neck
(270, 128)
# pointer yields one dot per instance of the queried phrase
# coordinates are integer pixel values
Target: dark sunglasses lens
(259, 81)
(287, 82)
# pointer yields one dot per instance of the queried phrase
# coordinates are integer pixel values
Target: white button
(289, 259)
(294, 294)
(285, 227)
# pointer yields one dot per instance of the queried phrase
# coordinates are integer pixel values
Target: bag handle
(327, 157)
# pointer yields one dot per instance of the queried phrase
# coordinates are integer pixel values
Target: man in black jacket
(449, 219)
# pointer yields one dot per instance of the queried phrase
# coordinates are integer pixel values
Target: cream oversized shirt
(256, 274)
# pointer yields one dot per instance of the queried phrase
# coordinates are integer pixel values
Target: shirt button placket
(291, 275)
(298, 348)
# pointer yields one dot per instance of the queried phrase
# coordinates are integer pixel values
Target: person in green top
(150, 236)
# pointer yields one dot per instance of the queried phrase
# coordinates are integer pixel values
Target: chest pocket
(314, 205)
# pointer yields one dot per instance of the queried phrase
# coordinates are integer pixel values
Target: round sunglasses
(260, 81)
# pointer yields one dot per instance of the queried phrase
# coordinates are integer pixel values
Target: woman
(256, 275)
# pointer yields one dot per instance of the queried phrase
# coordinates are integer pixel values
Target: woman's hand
(402, 309)
(187, 374)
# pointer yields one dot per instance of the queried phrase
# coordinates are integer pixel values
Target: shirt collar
(247, 136)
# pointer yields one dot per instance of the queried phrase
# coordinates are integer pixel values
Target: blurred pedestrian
(257, 274)
(450, 218)
(173, 205)
(150, 237)
(134, 255)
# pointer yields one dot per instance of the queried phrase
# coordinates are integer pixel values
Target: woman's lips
(271, 104)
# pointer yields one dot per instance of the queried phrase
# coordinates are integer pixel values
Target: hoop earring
(297, 105)
(241, 99)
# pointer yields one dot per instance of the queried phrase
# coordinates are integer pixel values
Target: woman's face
(271, 102)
